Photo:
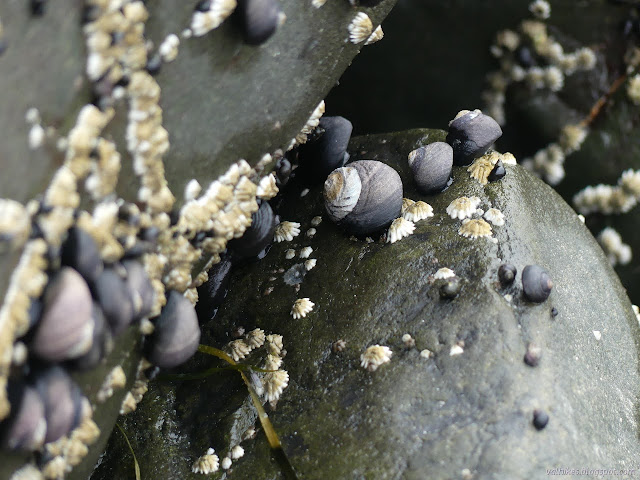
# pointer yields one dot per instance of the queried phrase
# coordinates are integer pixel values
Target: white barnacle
(238, 349)
(376, 36)
(311, 232)
(444, 273)
(426, 353)
(272, 362)
(406, 203)
(318, 3)
(494, 216)
(463, 207)
(360, 28)
(204, 22)
(456, 350)
(237, 452)
(374, 356)
(310, 264)
(408, 340)
(312, 122)
(36, 136)
(482, 167)
(207, 463)
(418, 211)
(399, 229)
(571, 137)
(286, 231)
(255, 338)
(508, 159)
(317, 220)
(168, 49)
(630, 182)
(301, 307)
(475, 228)
(267, 188)
(553, 78)
(226, 463)
(289, 253)
(540, 9)
(305, 252)
(274, 344)
(15, 224)
(611, 242)
(275, 383)
(192, 190)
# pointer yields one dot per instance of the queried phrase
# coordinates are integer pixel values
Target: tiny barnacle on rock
(301, 307)
(374, 356)
(376, 36)
(360, 28)
(311, 232)
(207, 463)
(310, 264)
(267, 188)
(408, 340)
(338, 346)
(426, 353)
(406, 203)
(418, 211)
(289, 253)
(237, 452)
(475, 228)
(286, 231)
(456, 349)
(317, 220)
(481, 168)
(256, 338)
(463, 207)
(274, 384)
(226, 463)
(532, 355)
(399, 229)
(192, 190)
(494, 216)
(238, 349)
(540, 9)
(305, 252)
(443, 274)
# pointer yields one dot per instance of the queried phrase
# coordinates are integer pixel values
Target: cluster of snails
(365, 196)
(536, 281)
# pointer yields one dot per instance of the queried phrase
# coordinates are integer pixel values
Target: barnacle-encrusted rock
(470, 391)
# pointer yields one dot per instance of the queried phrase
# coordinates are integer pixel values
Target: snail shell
(364, 196)
(507, 273)
(101, 345)
(62, 401)
(431, 166)
(258, 235)
(65, 329)
(283, 172)
(212, 292)
(26, 426)
(450, 288)
(321, 157)
(536, 283)
(471, 134)
(498, 172)
(112, 292)
(176, 335)
(140, 287)
(259, 19)
(80, 252)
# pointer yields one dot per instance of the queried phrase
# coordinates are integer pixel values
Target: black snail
(431, 166)
(112, 292)
(259, 19)
(176, 335)
(321, 156)
(536, 283)
(507, 273)
(471, 133)
(364, 196)
(257, 236)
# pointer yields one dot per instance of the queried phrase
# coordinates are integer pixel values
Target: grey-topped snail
(321, 156)
(536, 283)
(471, 134)
(259, 19)
(431, 166)
(363, 196)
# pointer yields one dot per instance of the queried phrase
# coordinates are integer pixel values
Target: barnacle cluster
(610, 199)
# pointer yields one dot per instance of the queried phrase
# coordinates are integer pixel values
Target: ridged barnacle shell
(267, 188)
(207, 463)
(360, 28)
(176, 335)
(406, 203)
(431, 166)
(536, 283)
(80, 252)
(418, 211)
(471, 134)
(374, 356)
(364, 196)
(258, 235)
(301, 307)
(463, 207)
(400, 228)
(259, 19)
(65, 329)
(274, 384)
(320, 157)
(475, 228)
(444, 273)
(494, 216)
(238, 349)
(25, 428)
(376, 36)
(112, 292)
(481, 168)
(62, 401)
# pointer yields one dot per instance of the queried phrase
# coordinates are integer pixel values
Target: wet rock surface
(414, 416)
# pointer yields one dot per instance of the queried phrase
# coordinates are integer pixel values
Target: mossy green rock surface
(416, 417)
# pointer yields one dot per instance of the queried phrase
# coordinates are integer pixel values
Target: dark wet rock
(414, 415)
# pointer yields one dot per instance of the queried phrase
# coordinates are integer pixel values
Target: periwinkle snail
(507, 274)
(25, 428)
(497, 173)
(112, 292)
(364, 196)
(431, 166)
(319, 157)
(80, 252)
(176, 335)
(65, 328)
(471, 134)
(259, 19)
(536, 283)
(257, 236)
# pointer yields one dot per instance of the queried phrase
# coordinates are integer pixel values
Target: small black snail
(364, 196)
(80, 252)
(257, 236)
(112, 292)
(101, 345)
(497, 173)
(25, 428)
(320, 157)
(507, 273)
(536, 283)
(431, 166)
(176, 335)
(259, 19)
(471, 134)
